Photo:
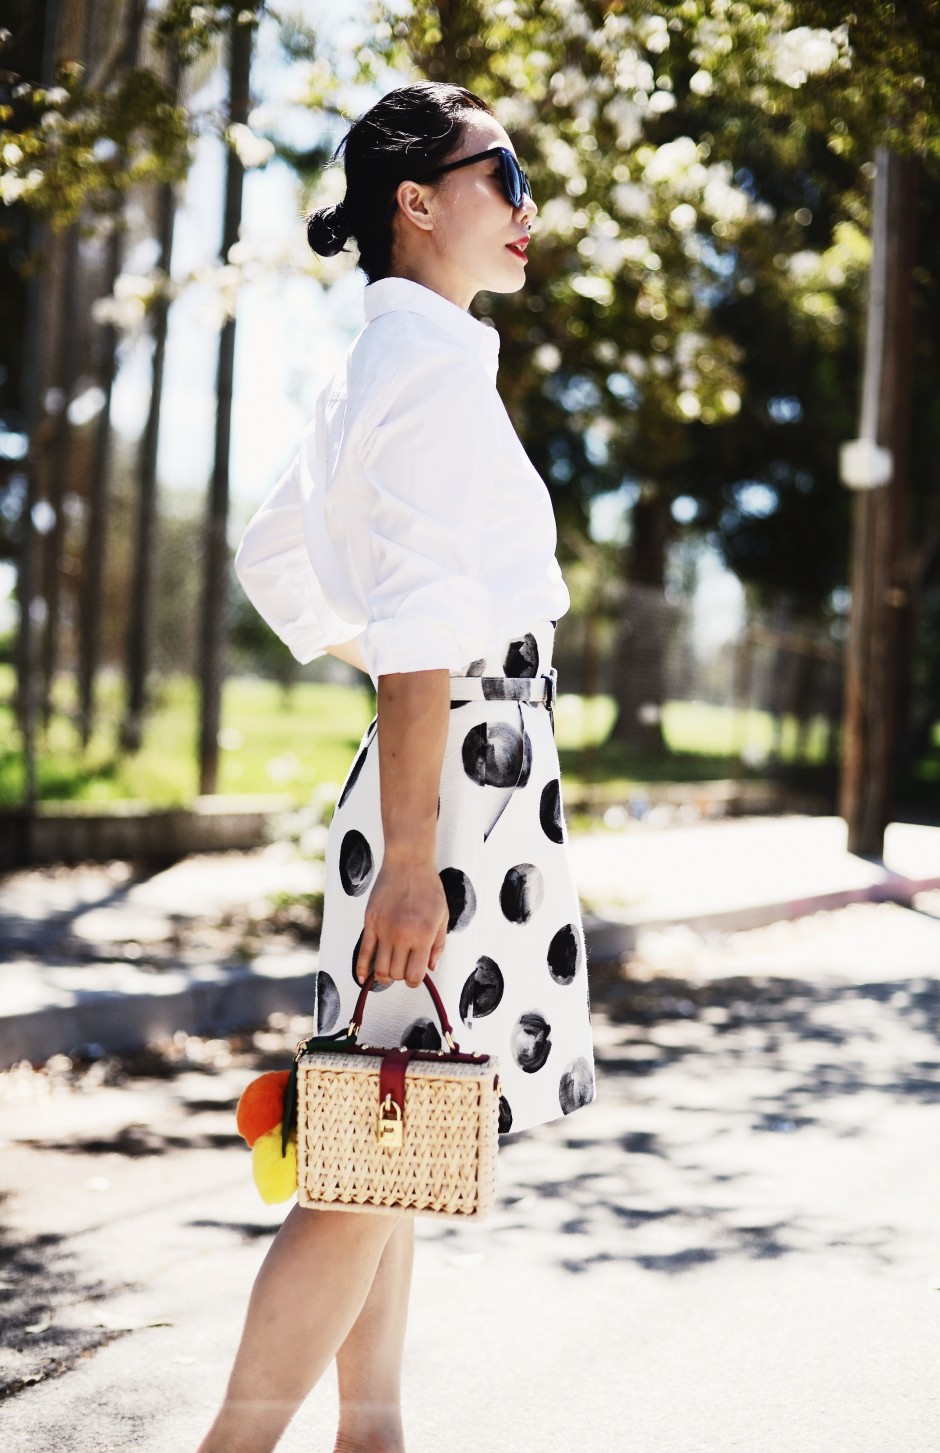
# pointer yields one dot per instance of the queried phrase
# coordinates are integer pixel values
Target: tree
(705, 171)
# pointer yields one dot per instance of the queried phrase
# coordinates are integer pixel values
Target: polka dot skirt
(513, 972)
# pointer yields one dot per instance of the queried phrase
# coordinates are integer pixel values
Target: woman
(412, 537)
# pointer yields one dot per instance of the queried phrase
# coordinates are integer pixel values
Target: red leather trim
(392, 1076)
(359, 1010)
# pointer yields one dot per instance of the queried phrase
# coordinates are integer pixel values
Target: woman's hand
(406, 915)
(405, 923)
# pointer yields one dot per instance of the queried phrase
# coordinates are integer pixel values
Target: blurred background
(733, 275)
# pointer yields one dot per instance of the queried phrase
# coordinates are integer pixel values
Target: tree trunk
(27, 579)
(639, 682)
(215, 566)
(97, 519)
(141, 605)
(64, 376)
(94, 553)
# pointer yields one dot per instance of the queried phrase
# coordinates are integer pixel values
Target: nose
(527, 209)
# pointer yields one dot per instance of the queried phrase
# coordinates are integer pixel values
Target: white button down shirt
(411, 520)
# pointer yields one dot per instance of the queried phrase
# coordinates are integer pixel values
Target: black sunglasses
(516, 184)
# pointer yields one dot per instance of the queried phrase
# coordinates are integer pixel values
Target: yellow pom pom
(275, 1175)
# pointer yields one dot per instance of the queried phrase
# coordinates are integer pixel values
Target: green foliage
(191, 28)
(84, 147)
(889, 90)
(696, 274)
(79, 144)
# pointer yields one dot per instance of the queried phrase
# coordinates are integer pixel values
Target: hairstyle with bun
(411, 130)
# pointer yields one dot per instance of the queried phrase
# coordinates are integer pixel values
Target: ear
(413, 200)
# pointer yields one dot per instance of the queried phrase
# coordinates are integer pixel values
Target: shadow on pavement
(722, 1067)
(38, 1280)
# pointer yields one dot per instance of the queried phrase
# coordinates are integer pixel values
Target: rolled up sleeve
(428, 484)
(273, 567)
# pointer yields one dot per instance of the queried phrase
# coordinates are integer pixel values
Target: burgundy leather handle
(355, 1024)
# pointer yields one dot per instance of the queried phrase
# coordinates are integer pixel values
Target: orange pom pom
(261, 1107)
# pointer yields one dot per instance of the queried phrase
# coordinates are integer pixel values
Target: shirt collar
(390, 293)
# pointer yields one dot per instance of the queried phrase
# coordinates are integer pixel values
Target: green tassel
(289, 1117)
(340, 1040)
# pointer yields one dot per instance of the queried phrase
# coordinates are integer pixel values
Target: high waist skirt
(513, 971)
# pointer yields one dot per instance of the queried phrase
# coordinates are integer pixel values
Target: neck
(440, 280)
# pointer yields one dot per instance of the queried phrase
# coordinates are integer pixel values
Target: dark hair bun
(328, 230)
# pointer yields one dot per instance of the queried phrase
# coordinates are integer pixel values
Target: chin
(504, 280)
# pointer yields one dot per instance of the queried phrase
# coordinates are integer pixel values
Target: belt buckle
(551, 687)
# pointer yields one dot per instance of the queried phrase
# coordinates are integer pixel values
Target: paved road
(735, 1248)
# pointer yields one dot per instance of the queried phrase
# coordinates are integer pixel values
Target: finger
(437, 947)
(364, 956)
(383, 955)
(398, 962)
(415, 969)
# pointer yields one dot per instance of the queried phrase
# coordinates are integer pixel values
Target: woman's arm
(424, 495)
(406, 916)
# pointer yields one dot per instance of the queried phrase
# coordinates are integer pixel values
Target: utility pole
(876, 466)
(215, 565)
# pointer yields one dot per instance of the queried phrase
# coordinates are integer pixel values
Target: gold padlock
(390, 1124)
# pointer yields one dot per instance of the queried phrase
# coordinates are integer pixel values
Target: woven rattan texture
(446, 1165)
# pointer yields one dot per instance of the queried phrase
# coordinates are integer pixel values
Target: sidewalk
(732, 1249)
(95, 956)
(739, 874)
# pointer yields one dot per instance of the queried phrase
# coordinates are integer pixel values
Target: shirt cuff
(446, 625)
(294, 607)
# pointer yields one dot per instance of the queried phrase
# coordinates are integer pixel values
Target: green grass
(295, 741)
(271, 741)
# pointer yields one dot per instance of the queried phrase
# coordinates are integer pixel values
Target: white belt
(542, 688)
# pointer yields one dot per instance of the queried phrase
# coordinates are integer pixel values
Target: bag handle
(355, 1024)
(340, 1039)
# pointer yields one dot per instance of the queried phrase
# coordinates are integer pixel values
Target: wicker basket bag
(389, 1129)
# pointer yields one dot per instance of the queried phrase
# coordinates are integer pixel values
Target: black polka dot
(493, 754)
(421, 1034)
(352, 775)
(376, 987)
(563, 955)
(483, 990)
(522, 658)
(550, 811)
(461, 899)
(530, 1042)
(356, 864)
(522, 892)
(576, 1086)
(505, 1116)
(327, 1002)
(526, 760)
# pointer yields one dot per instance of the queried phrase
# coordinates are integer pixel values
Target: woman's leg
(306, 1298)
(369, 1363)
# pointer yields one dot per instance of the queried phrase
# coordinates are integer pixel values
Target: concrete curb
(82, 832)
(136, 1007)
(197, 1001)
(611, 934)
